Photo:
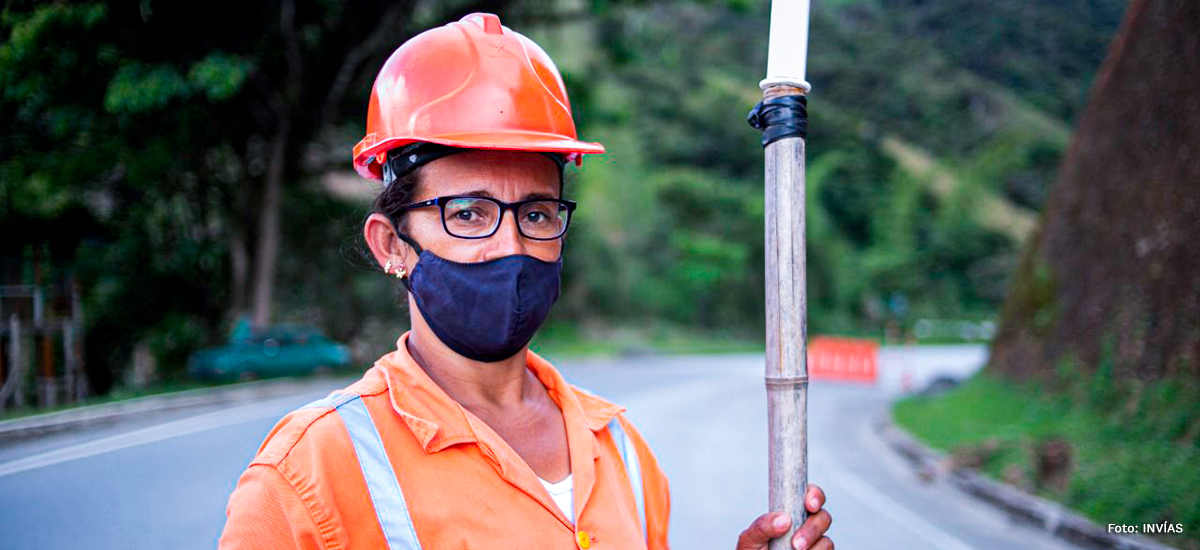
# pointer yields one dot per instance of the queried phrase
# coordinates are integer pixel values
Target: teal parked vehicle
(281, 350)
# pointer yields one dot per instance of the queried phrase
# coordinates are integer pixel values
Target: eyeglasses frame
(441, 201)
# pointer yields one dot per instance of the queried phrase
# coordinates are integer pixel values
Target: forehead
(508, 175)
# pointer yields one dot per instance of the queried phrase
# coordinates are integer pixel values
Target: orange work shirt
(464, 486)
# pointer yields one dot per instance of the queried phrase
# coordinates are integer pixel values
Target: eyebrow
(487, 194)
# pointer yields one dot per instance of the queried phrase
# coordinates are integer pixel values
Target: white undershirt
(562, 492)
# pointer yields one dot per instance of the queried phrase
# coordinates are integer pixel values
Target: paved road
(162, 482)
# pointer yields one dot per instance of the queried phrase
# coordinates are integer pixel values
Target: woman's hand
(811, 535)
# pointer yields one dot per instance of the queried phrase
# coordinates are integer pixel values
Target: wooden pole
(787, 331)
(786, 297)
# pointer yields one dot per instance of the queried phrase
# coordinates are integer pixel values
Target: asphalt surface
(163, 481)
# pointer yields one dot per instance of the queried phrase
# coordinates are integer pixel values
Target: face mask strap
(411, 242)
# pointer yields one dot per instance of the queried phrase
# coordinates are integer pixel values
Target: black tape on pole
(780, 117)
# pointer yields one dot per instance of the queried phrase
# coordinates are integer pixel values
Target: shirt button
(584, 541)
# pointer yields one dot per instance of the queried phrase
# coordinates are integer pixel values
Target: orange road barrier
(848, 359)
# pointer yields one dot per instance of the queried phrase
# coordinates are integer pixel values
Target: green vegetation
(1133, 447)
(138, 139)
(924, 177)
(569, 340)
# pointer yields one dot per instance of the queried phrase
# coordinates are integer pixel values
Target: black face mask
(485, 311)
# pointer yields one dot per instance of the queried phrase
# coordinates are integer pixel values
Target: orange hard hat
(473, 84)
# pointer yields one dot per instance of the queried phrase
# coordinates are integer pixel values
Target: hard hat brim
(368, 156)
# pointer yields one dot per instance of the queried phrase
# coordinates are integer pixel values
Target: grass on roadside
(569, 340)
(1134, 450)
(121, 393)
(125, 393)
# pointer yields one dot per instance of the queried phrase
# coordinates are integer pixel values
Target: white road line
(872, 497)
(168, 430)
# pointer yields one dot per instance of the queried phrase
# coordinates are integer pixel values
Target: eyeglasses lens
(543, 219)
(470, 217)
(478, 217)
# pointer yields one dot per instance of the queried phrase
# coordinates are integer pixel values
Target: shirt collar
(438, 421)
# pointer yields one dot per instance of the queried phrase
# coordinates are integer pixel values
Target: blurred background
(142, 142)
(178, 210)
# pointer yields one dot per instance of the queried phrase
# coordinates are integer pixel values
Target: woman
(462, 437)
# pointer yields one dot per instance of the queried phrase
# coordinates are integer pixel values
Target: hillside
(926, 171)
(1112, 275)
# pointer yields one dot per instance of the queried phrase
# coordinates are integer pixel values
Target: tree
(178, 128)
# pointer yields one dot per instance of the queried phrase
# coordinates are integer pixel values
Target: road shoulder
(38, 425)
(1021, 506)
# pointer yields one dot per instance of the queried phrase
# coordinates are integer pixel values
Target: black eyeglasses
(469, 217)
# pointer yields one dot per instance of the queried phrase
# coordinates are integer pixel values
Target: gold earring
(400, 272)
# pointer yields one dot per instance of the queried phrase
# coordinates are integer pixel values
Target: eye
(469, 212)
(538, 213)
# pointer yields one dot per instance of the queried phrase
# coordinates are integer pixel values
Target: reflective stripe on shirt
(386, 495)
(632, 467)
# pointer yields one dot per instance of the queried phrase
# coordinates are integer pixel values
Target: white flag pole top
(787, 51)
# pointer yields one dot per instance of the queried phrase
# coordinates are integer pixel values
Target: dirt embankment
(1113, 273)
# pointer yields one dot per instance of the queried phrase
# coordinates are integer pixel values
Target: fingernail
(814, 503)
(781, 522)
(800, 543)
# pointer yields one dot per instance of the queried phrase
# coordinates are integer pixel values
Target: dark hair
(396, 194)
(388, 202)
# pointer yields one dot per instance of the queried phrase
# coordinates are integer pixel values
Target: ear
(382, 240)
